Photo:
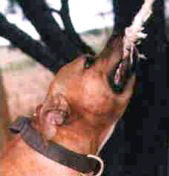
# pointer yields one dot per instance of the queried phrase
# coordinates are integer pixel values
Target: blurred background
(37, 37)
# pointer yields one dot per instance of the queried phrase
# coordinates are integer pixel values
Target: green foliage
(95, 32)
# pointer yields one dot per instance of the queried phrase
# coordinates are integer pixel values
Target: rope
(134, 32)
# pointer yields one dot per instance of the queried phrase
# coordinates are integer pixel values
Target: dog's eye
(89, 61)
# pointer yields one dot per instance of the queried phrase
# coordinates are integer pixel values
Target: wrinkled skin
(80, 112)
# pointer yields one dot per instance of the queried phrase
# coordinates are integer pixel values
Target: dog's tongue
(122, 72)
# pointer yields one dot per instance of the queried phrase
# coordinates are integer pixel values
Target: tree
(57, 46)
(138, 147)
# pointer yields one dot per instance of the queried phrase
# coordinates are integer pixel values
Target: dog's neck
(78, 137)
(35, 163)
(83, 138)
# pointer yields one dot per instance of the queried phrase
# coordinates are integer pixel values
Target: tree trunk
(139, 146)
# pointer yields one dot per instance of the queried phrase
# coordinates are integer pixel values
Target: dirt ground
(25, 81)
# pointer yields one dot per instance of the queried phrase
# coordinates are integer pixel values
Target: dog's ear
(52, 114)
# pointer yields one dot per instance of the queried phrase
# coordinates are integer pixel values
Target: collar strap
(53, 151)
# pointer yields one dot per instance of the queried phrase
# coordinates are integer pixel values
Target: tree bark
(139, 146)
(124, 13)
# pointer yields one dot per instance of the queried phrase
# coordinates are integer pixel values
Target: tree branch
(28, 45)
(54, 10)
(69, 28)
(40, 16)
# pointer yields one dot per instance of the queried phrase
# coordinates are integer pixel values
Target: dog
(84, 102)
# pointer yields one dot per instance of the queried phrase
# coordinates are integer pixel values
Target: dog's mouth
(122, 72)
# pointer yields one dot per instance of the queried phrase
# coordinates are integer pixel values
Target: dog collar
(79, 162)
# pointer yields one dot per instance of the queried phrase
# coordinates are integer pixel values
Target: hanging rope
(134, 32)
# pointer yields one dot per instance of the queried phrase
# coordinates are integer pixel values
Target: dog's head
(95, 89)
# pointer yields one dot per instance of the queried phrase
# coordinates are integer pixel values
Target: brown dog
(84, 102)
